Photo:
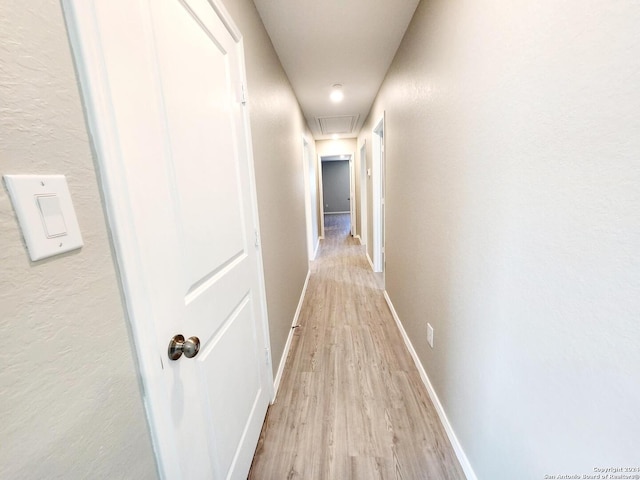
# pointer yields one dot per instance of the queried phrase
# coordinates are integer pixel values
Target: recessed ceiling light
(336, 93)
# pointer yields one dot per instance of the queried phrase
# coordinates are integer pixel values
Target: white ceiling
(324, 42)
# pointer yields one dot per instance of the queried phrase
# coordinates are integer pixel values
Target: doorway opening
(311, 199)
(378, 181)
(363, 195)
(337, 190)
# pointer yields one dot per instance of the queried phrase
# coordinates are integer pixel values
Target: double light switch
(45, 212)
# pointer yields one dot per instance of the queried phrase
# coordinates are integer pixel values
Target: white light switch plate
(430, 335)
(45, 212)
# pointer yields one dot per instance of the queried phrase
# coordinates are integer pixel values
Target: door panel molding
(123, 206)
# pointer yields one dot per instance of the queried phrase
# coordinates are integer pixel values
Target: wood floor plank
(351, 403)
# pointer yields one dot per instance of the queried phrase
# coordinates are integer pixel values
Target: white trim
(87, 49)
(363, 194)
(352, 193)
(370, 262)
(321, 196)
(310, 216)
(455, 443)
(287, 345)
(315, 252)
(377, 180)
(350, 157)
(336, 213)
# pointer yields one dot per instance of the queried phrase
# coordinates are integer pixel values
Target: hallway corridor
(351, 403)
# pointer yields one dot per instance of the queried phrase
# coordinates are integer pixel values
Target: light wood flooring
(351, 403)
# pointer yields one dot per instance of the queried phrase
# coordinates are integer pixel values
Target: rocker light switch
(45, 212)
(52, 217)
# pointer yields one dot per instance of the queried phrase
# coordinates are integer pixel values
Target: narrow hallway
(351, 404)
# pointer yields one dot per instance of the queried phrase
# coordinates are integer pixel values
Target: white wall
(70, 400)
(513, 226)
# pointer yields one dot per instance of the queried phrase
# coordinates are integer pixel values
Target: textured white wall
(513, 226)
(70, 402)
(277, 128)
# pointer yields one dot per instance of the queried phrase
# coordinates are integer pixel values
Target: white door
(162, 81)
(378, 181)
(311, 199)
(363, 194)
(352, 196)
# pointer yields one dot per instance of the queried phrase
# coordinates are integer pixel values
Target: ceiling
(324, 42)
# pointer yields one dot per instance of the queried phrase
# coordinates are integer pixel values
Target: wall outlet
(430, 335)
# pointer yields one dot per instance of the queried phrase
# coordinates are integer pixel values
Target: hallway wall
(71, 402)
(513, 225)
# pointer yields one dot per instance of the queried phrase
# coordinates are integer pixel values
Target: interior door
(163, 81)
(352, 196)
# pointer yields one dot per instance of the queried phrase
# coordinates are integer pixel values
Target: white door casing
(347, 156)
(363, 194)
(378, 183)
(311, 199)
(321, 196)
(163, 83)
(352, 194)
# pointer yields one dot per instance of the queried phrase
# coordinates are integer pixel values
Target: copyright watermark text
(600, 473)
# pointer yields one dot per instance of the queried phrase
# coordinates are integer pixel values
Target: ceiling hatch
(339, 124)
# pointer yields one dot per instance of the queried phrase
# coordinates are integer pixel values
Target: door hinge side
(242, 93)
(267, 356)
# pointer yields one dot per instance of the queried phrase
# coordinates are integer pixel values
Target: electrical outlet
(430, 335)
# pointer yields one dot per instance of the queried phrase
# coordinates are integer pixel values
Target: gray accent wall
(513, 226)
(335, 183)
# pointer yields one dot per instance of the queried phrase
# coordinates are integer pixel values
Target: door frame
(363, 194)
(352, 194)
(311, 216)
(350, 158)
(112, 179)
(378, 181)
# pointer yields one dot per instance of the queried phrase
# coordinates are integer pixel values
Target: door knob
(178, 345)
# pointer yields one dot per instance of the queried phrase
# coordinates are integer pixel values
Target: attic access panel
(337, 125)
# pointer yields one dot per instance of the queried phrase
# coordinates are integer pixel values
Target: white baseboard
(370, 262)
(457, 447)
(287, 345)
